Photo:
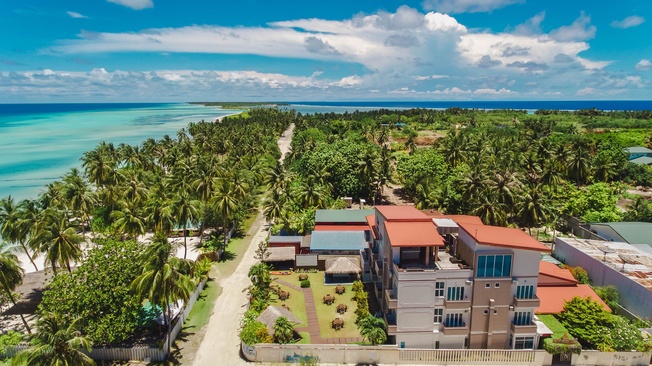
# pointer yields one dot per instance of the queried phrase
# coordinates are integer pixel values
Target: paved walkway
(221, 344)
(313, 321)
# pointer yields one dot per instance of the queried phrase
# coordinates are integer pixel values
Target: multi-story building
(476, 289)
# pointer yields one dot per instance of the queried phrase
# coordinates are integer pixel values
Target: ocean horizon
(39, 142)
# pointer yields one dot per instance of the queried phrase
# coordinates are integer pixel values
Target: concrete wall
(353, 354)
(633, 296)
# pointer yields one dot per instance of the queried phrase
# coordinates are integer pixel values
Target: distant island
(239, 105)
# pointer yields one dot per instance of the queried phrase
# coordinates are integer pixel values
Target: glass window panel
(498, 267)
(507, 266)
(481, 265)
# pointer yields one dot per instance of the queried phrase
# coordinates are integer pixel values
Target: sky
(247, 50)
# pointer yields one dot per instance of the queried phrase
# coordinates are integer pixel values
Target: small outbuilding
(342, 270)
(269, 316)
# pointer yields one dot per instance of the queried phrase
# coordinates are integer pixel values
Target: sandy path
(221, 345)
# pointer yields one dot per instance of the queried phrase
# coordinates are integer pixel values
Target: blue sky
(171, 50)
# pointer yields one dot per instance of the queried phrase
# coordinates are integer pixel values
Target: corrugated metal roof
(413, 234)
(632, 232)
(402, 213)
(342, 216)
(646, 160)
(553, 297)
(285, 239)
(623, 257)
(638, 150)
(321, 227)
(338, 240)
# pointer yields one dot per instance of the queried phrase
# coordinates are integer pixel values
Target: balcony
(457, 304)
(391, 300)
(378, 266)
(527, 303)
(390, 319)
(523, 329)
(457, 330)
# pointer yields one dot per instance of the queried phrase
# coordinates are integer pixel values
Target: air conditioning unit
(469, 282)
(515, 282)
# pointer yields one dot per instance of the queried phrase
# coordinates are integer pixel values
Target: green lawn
(201, 312)
(296, 302)
(305, 338)
(551, 322)
(326, 313)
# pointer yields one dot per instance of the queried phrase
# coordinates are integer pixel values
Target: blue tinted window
(494, 265)
(482, 261)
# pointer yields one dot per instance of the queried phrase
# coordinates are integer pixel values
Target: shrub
(580, 274)
(305, 283)
(254, 332)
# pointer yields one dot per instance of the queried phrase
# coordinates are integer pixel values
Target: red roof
(402, 213)
(460, 219)
(413, 234)
(371, 221)
(502, 237)
(553, 297)
(341, 227)
(551, 274)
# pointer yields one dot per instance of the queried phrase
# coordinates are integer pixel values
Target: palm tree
(57, 238)
(372, 329)
(532, 208)
(12, 225)
(226, 204)
(309, 193)
(164, 280)
(579, 162)
(11, 274)
(128, 219)
(56, 343)
(489, 209)
(283, 330)
(78, 195)
(185, 210)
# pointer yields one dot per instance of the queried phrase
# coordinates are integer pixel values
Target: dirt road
(221, 345)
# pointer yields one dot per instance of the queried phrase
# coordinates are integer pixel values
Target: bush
(580, 274)
(305, 283)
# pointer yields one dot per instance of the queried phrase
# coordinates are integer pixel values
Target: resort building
(613, 263)
(448, 282)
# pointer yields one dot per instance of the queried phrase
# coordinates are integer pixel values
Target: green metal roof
(342, 216)
(642, 160)
(632, 232)
(638, 150)
(337, 240)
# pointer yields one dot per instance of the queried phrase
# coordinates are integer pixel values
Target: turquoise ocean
(41, 142)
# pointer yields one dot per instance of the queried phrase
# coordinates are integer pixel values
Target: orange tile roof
(551, 274)
(553, 297)
(460, 219)
(502, 237)
(413, 234)
(402, 213)
(371, 221)
(341, 227)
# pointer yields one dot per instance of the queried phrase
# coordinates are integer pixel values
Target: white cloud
(580, 30)
(134, 4)
(629, 22)
(531, 26)
(644, 65)
(586, 91)
(76, 15)
(467, 6)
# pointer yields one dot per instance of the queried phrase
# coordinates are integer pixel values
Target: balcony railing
(391, 324)
(523, 329)
(392, 301)
(527, 303)
(379, 267)
(457, 304)
(455, 329)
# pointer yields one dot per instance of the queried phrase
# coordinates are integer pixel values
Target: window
(487, 285)
(455, 294)
(436, 344)
(499, 265)
(439, 313)
(439, 289)
(497, 284)
(485, 312)
(522, 318)
(454, 320)
(525, 292)
(524, 343)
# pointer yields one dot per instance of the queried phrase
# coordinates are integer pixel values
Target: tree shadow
(227, 255)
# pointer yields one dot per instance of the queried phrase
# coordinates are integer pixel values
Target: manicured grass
(295, 302)
(305, 338)
(201, 312)
(326, 313)
(557, 328)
